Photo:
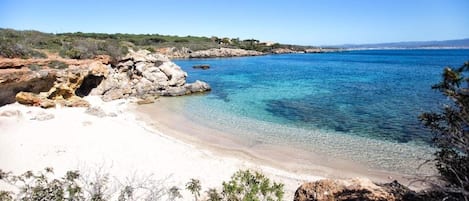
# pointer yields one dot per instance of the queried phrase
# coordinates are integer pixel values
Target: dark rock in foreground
(354, 190)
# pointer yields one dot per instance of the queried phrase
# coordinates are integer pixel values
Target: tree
(450, 127)
(194, 187)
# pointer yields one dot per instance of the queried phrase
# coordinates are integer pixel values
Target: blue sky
(308, 22)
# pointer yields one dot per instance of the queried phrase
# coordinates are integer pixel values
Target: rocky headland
(173, 52)
(185, 53)
(139, 74)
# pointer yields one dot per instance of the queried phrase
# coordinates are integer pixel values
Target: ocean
(358, 105)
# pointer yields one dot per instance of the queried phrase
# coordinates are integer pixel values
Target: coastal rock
(147, 99)
(203, 66)
(224, 52)
(143, 73)
(173, 52)
(285, 51)
(176, 76)
(198, 86)
(176, 91)
(354, 189)
(139, 74)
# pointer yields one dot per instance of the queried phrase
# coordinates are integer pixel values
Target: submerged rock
(203, 66)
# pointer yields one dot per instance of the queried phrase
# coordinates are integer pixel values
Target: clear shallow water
(361, 105)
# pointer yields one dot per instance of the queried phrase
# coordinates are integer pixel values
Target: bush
(245, 185)
(181, 41)
(40, 186)
(451, 132)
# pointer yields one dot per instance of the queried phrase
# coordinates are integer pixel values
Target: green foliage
(174, 193)
(34, 67)
(57, 65)
(248, 186)
(41, 186)
(182, 40)
(194, 187)
(6, 196)
(451, 132)
(213, 195)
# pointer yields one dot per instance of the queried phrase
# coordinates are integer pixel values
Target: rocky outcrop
(140, 74)
(68, 88)
(285, 51)
(173, 52)
(202, 66)
(14, 80)
(354, 189)
(143, 73)
(224, 52)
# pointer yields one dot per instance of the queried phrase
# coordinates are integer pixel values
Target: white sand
(120, 145)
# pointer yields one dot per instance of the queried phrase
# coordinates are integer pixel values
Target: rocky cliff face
(140, 74)
(210, 53)
(224, 52)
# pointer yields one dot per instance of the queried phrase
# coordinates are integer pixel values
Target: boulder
(341, 190)
(198, 86)
(176, 91)
(176, 76)
(203, 66)
(28, 98)
(147, 99)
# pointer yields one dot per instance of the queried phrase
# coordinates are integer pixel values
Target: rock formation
(142, 73)
(68, 88)
(202, 66)
(184, 52)
(224, 52)
(284, 51)
(354, 189)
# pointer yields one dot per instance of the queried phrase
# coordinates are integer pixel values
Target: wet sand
(165, 115)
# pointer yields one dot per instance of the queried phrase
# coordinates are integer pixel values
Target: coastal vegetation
(78, 45)
(451, 132)
(73, 186)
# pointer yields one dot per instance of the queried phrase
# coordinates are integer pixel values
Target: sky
(303, 22)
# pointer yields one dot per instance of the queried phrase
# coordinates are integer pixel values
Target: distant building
(268, 43)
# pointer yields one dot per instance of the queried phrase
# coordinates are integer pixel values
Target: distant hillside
(78, 45)
(461, 43)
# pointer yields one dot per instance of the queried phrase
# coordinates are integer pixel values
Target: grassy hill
(32, 44)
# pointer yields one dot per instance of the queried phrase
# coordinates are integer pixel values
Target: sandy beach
(120, 145)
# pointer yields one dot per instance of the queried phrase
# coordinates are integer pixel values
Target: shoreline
(117, 144)
(165, 119)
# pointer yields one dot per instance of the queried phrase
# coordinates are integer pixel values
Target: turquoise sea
(359, 105)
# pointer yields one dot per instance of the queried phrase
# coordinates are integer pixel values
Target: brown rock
(27, 98)
(341, 190)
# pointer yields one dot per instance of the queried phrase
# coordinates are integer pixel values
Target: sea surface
(357, 105)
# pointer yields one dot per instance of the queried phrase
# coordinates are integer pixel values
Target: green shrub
(34, 67)
(181, 41)
(451, 132)
(57, 65)
(248, 186)
(194, 187)
(41, 186)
